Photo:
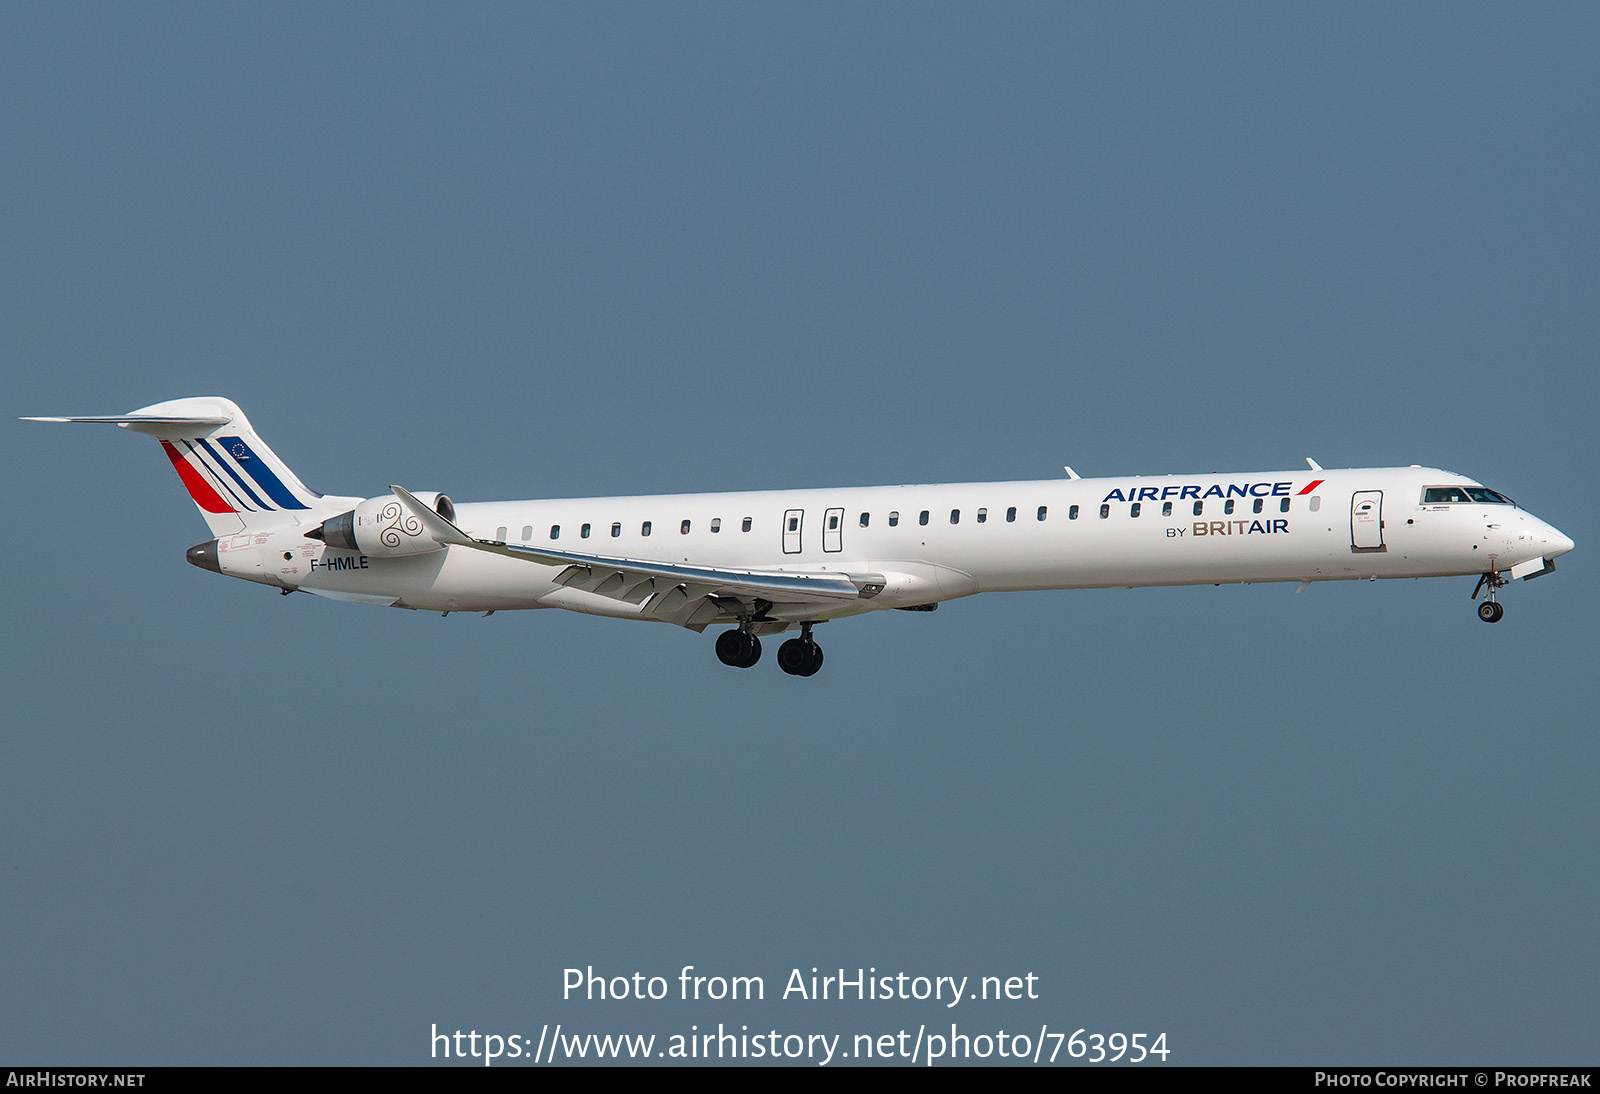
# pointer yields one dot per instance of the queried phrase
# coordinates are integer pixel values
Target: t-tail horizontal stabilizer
(144, 423)
(238, 482)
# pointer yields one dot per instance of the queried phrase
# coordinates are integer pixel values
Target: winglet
(1071, 474)
(1315, 466)
(440, 529)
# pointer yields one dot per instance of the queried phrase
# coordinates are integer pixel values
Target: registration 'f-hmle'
(766, 562)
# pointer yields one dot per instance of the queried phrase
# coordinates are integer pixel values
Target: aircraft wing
(689, 595)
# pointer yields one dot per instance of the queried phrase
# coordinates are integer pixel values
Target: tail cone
(204, 555)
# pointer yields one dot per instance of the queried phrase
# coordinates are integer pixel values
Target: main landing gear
(738, 648)
(800, 656)
(1491, 610)
(797, 657)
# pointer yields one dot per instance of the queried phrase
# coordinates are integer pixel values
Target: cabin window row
(585, 531)
(1073, 511)
(1259, 505)
(982, 516)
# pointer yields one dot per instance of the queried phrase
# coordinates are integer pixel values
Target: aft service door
(833, 530)
(1366, 520)
(793, 520)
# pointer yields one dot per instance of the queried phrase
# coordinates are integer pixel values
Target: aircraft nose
(1555, 543)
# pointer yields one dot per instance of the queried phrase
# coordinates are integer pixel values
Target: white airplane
(772, 561)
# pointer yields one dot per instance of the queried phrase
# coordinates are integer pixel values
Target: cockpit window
(1445, 495)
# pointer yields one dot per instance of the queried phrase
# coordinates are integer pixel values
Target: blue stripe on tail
(258, 470)
(222, 463)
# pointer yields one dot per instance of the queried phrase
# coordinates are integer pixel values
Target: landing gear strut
(800, 656)
(738, 648)
(1491, 609)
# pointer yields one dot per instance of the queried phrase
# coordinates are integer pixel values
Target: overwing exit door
(833, 530)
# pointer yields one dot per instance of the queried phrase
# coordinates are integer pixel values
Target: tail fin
(237, 481)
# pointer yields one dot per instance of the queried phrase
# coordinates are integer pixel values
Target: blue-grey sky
(511, 250)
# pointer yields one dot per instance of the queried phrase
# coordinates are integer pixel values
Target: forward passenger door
(1366, 520)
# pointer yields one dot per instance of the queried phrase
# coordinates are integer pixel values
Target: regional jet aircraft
(766, 562)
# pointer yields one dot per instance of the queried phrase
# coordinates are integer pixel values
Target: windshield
(1443, 495)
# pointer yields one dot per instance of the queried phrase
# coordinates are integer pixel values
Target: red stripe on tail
(200, 490)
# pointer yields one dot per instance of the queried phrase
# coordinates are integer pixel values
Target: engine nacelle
(384, 528)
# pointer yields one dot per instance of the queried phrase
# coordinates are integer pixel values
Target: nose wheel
(1491, 610)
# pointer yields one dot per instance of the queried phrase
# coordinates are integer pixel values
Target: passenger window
(555, 531)
(1316, 503)
(500, 533)
(584, 532)
(527, 532)
(865, 519)
(616, 529)
(644, 529)
(955, 516)
(1133, 510)
(894, 519)
(1166, 508)
(1043, 510)
(1227, 506)
(1105, 511)
(716, 524)
(923, 519)
(1011, 514)
(746, 526)
(683, 529)
(1072, 512)
(1199, 507)
(983, 515)
(1257, 506)
(1283, 506)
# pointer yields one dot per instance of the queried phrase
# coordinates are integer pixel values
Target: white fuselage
(772, 561)
(937, 542)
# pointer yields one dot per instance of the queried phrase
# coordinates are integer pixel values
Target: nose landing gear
(1491, 610)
